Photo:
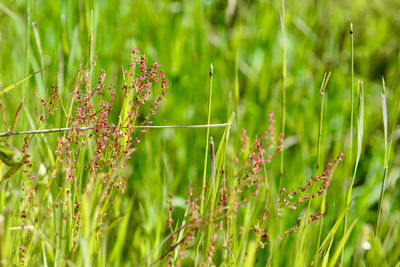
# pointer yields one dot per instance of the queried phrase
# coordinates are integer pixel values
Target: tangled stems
(106, 148)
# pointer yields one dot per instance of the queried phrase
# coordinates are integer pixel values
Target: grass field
(299, 166)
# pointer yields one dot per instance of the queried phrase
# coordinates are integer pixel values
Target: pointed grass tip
(383, 85)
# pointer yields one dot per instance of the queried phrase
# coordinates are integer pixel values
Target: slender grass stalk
(237, 90)
(15, 84)
(343, 241)
(322, 90)
(385, 163)
(322, 93)
(351, 117)
(218, 174)
(270, 191)
(283, 116)
(387, 151)
(207, 139)
(206, 149)
(27, 39)
(352, 93)
(90, 52)
(68, 129)
(40, 50)
(360, 133)
(212, 163)
(283, 87)
(300, 256)
(232, 222)
(48, 186)
(329, 238)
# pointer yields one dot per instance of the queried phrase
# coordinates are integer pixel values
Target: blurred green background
(243, 40)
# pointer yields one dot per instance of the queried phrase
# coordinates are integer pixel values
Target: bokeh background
(243, 40)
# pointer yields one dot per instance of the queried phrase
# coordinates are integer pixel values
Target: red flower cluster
(94, 151)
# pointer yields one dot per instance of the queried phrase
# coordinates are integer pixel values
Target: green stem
(351, 123)
(300, 257)
(206, 150)
(386, 167)
(322, 92)
(207, 140)
(283, 88)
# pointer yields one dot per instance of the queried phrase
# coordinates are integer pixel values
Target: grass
(182, 203)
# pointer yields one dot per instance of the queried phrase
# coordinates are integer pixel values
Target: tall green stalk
(283, 87)
(300, 256)
(90, 52)
(360, 134)
(387, 151)
(351, 121)
(283, 114)
(207, 140)
(27, 42)
(352, 93)
(322, 92)
(206, 150)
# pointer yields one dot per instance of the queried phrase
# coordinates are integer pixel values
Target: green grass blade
(351, 119)
(322, 93)
(326, 255)
(40, 49)
(284, 73)
(323, 202)
(360, 134)
(387, 151)
(207, 139)
(212, 195)
(342, 242)
(384, 117)
(329, 236)
(302, 233)
(219, 159)
(117, 251)
(13, 85)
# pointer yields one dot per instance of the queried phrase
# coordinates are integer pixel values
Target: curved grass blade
(351, 118)
(343, 241)
(208, 137)
(387, 151)
(220, 157)
(329, 237)
(12, 86)
(360, 134)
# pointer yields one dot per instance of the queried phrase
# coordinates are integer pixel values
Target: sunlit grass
(266, 56)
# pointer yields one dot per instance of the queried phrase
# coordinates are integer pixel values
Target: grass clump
(91, 176)
(77, 192)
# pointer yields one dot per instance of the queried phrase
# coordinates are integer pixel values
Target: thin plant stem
(283, 87)
(351, 120)
(47, 188)
(352, 93)
(90, 56)
(68, 129)
(206, 149)
(283, 123)
(207, 139)
(322, 92)
(302, 232)
(387, 156)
